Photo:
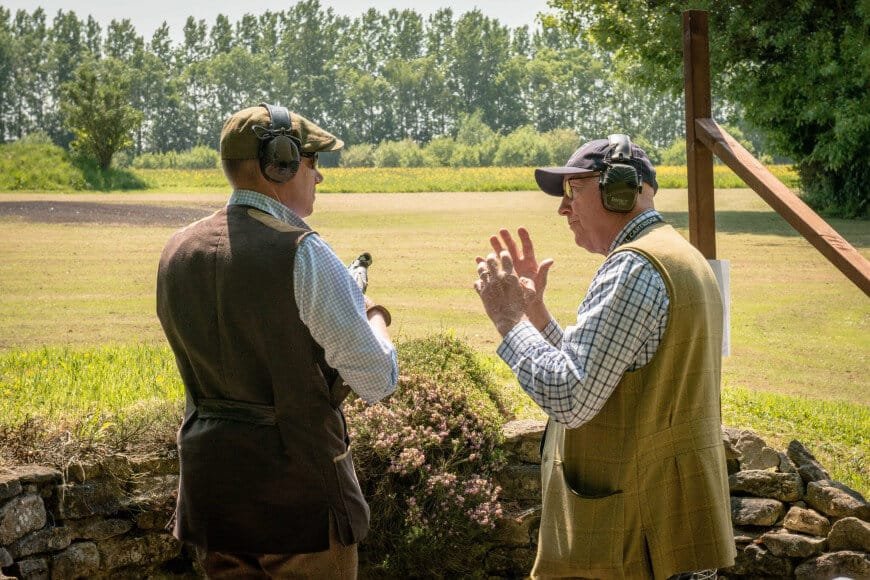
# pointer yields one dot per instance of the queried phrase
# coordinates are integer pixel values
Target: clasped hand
(509, 296)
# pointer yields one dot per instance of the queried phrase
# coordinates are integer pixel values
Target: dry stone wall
(101, 520)
(108, 520)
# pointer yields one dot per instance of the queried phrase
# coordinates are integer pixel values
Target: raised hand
(504, 295)
(524, 260)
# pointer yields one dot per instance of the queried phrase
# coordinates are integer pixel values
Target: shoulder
(629, 269)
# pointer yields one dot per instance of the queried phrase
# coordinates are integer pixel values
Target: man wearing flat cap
(634, 481)
(269, 331)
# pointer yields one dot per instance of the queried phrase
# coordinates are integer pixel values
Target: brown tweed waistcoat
(263, 446)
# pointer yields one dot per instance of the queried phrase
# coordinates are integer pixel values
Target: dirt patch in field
(78, 212)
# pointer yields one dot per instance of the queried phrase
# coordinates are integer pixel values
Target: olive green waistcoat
(641, 490)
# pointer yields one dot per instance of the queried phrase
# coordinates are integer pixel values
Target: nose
(318, 177)
(564, 206)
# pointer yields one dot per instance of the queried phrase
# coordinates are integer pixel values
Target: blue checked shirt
(331, 306)
(620, 324)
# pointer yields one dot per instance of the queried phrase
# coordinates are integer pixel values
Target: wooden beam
(699, 159)
(797, 213)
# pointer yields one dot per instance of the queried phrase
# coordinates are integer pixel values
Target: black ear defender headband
(279, 150)
(620, 182)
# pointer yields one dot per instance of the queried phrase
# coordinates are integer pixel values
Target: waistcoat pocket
(579, 535)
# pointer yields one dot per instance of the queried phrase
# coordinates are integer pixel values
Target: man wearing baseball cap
(269, 331)
(634, 480)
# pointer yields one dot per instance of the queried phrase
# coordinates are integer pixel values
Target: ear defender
(620, 182)
(279, 149)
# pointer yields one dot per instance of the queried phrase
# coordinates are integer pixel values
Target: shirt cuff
(517, 342)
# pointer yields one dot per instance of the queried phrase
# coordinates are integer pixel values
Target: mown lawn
(78, 332)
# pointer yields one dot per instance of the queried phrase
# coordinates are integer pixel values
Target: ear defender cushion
(279, 150)
(280, 158)
(619, 190)
(620, 182)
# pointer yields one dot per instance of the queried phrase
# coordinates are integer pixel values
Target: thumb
(544, 272)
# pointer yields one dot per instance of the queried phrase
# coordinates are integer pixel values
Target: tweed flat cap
(238, 140)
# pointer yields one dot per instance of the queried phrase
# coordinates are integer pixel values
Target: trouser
(339, 562)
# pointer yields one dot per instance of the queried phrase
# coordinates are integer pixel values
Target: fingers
(543, 272)
(482, 270)
(496, 244)
(507, 263)
(526, 240)
(511, 245)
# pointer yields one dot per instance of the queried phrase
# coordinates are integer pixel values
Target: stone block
(44, 540)
(154, 464)
(140, 551)
(97, 528)
(20, 516)
(30, 569)
(849, 534)
(754, 452)
(785, 544)
(153, 520)
(110, 467)
(159, 491)
(10, 485)
(81, 560)
(769, 484)
(786, 465)
(836, 499)
(807, 521)
(89, 499)
(38, 474)
(520, 482)
(729, 439)
(844, 564)
(808, 468)
(743, 536)
(522, 439)
(755, 511)
(5, 558)
(754, 561)
(518, 526)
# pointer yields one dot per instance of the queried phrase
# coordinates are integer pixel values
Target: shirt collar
(637, 224)
(269, 205)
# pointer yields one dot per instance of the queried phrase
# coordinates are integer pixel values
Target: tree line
(373, 78)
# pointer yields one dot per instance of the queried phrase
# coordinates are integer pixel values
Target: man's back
(261, 427)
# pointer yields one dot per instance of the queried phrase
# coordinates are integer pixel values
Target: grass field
(427, 179)
(78, 330)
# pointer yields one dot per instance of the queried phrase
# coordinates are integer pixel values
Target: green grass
(393, 180)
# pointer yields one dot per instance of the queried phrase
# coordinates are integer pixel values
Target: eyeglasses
(569, 184)
(313, 156)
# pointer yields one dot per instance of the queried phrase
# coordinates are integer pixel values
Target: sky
(147, 15)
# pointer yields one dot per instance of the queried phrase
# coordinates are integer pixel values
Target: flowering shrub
(424, 458)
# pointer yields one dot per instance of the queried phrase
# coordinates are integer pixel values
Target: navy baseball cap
(589, 158)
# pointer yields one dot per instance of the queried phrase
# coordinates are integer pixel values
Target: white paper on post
(722, 270)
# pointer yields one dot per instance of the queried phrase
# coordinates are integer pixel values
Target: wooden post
(817, 232)
(699, 159)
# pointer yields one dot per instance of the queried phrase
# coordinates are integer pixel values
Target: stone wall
(104, 520)
(108, 520)
(790, 520)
